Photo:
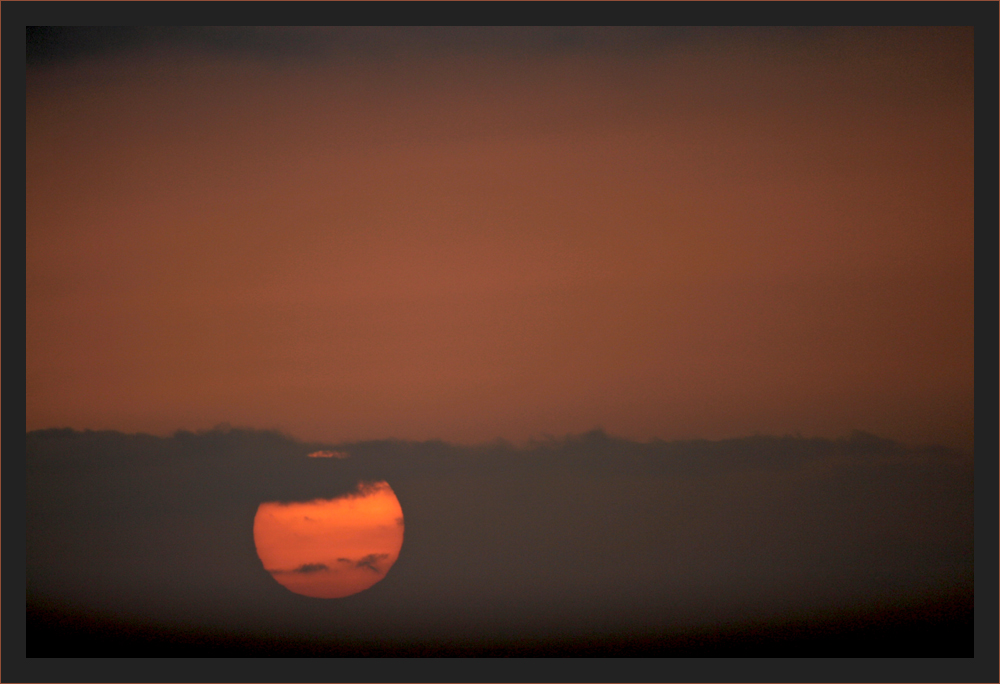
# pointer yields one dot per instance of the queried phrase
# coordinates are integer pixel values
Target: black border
(982, 15)
(491, 12)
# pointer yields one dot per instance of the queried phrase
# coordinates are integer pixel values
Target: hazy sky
(466, 234)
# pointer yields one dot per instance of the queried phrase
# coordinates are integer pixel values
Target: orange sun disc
(331, 548)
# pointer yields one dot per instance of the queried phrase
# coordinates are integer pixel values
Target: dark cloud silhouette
(589, 537)
(371, 562)
(311, 567)
(304, 569)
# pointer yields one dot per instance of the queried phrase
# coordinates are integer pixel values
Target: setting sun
(331, 548)
(664, 336)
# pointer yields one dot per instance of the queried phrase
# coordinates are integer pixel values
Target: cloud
(371, 562)
(304, 569)
(329, 454)
(501, 537)
(309, 568)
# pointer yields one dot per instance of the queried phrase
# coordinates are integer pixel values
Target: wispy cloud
(329, 454)
(304, 569)
(371, 561)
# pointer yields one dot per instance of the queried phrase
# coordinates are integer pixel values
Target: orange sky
(726, 236)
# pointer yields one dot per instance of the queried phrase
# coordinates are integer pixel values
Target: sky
(471, 234)
(631, 339)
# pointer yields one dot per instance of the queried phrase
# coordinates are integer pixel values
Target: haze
(352, 234)
(661, 338)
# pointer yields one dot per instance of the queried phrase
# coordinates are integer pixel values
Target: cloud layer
(555, 539)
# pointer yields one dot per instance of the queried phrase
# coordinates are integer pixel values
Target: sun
(331, 548)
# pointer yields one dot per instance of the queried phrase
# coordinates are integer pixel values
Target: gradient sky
(471, 234)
